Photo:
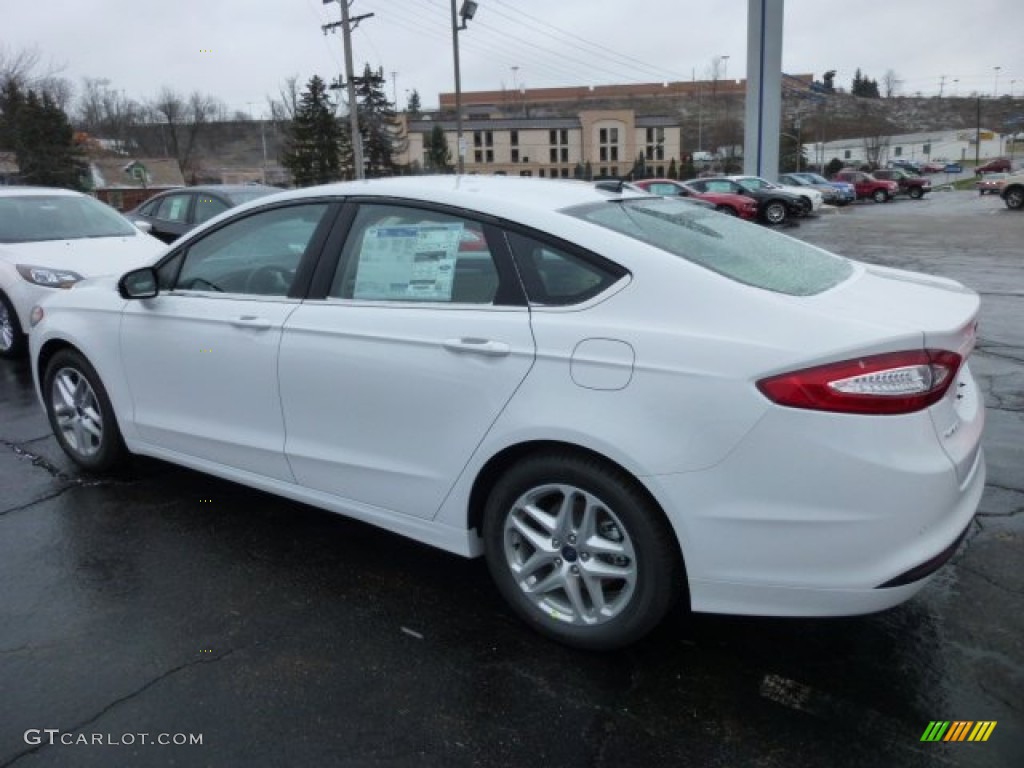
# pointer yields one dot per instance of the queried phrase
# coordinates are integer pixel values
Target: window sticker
(408, 263)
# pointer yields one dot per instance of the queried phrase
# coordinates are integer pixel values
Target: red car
(735, 205)
(999, 165)
(868, 186)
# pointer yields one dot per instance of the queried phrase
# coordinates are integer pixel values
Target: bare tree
(183, 120)
(283, 107)
(107, 113)
(24, 68)
(891, 83)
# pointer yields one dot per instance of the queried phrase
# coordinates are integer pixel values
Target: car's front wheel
(916, 193)
(1015, 198)
(579, 551)
(12, 339)
(80, 412)
(775, 212)
(880, 196)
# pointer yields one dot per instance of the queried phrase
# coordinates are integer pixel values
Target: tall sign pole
(764, 88)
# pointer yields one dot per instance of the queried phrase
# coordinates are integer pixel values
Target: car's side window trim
(509, 292)
(531, 279)
(307, 264)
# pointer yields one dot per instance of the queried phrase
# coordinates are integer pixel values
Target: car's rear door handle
(475, 346)
(251, 321)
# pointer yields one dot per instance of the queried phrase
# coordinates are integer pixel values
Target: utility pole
(394, 88)
(977, 132)
(347, 24)
(942, 83)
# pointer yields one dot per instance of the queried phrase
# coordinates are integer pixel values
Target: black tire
(775, 213)
(85, 409)
(1014, 198)
(916, 193)
(620, 516)
(880, 196)
(727, 210)
(13, 342)
(806, 206)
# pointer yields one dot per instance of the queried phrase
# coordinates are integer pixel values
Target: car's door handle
(251, 321)
(474, 346)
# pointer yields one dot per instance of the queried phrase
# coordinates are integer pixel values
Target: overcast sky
(242, 50)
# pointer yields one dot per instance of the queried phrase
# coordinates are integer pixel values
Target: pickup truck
(867, 186)
(915, 187)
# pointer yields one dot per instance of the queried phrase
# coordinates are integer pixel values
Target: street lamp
(467, 12)
(995, 88)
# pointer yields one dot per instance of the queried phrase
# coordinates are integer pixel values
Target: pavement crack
(990, 580)
(127, 697)
(40, 500)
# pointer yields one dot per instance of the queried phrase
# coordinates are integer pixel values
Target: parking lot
(168, 603)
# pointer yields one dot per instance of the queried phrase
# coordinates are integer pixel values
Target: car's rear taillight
(891, 383)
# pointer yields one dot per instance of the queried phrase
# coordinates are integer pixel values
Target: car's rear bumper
(799, 521)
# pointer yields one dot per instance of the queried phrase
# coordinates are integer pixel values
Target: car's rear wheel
(880, 196)
(80, 412)
(13, 342)
(1015, 198)
(726, 210)
(579, 551)
(775, 212)
(916, 193)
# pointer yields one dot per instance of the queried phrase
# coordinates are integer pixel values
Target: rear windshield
(245, 195)
(746, 253)
(34, 218)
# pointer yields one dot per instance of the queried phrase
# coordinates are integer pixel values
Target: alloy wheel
(77, 412)
(570, 554)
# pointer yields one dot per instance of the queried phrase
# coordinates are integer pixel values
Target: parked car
(49, 240)
(829, 194)
(711, 418)
(868, 187)
(811, 199)
(774, 206)
(991, 182)
(726, 202)
(171, 214)
(931, 166)
(911, 185)
(999, 165)
(1012, 192)
(846, 193)
(906, 165)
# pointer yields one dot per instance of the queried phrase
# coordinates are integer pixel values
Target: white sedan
(620, 402)
(49, 240)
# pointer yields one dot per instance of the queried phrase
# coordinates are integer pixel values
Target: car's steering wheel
(195, 283)
(271, 280)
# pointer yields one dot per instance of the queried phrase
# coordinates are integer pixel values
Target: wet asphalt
(162, 604)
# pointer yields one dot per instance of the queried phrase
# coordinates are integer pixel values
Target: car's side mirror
(138, 284)
(143, 226)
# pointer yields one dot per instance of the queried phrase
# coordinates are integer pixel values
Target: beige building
(555, 147)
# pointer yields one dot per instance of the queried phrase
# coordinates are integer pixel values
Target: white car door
(201, 357)
(390, 382)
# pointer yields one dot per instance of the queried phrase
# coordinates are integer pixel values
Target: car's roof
(489, 194)
(38, 192)
(222, 188)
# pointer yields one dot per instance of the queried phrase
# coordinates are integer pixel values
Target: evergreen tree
(864, 86)
(639, 170)
(438, 154)
(313, 147)
(588, 171)
(380, 130)
(42, 139)
(413, 106)
(673, 171)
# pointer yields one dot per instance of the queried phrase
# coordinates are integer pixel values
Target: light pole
(995, 88)
(467, 12)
